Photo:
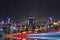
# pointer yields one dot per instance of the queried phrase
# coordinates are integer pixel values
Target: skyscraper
(31, 20)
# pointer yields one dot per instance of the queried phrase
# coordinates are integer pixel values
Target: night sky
(22, 8)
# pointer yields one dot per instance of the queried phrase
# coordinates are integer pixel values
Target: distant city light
(4, 18)
(11, 27)
(55, 23)
(58, 21)
(29, 31)
(14, 28)
(2, 22)
(9, 19)
(50, 18)
(1, 29)
(24, 32)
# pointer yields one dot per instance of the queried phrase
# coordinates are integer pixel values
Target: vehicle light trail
(50, 35)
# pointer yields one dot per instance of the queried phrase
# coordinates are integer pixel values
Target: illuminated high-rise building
(31, 20)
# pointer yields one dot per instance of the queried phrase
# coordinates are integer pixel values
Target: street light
(55, 24)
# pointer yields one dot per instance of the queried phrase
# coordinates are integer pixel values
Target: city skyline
(29, 19)
(25, 20)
